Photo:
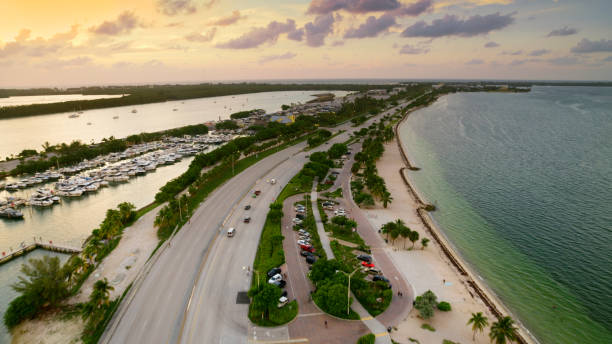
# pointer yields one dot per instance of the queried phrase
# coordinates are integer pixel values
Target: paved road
(188, 294)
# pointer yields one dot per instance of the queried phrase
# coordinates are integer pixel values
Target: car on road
(231, 232)
(303, 242)
(275, 278)
(274, 272)
(367, 264)
(257, 192)
(364, 258)
(247, 207)
(247, 219)
(283, 300)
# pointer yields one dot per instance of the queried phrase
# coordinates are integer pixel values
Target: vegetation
(424, 242)
(47, 283)
(369, 338)
(479, 322)
(425, 304)
(428, 327)
(135, 95)
(226, 125)
(331, 289)
(375, 297)
(444, 306)
(245, 114)
(503, 331)
(334, 194)
(320, 136)
(343, 228)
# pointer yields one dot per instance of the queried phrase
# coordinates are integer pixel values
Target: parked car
(311, 259)
(303, 242)
(308, 248)
(247, 207)
(274, 272)
(380, 278)
(299, 206)
(284, 293)
(303, 231)
(306, 253)
(275, 278)
(364, 258)
(374, 271)
(247, 219)
(367, 264)
(300, 216)
(280, 284)
(328, 203)
(283, 300)
(297, 221)
(303, 237)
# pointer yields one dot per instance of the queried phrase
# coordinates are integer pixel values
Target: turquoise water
(523, 186)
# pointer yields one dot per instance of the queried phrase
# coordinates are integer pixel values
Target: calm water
(32, 132)
(523, 183)
(26, 100)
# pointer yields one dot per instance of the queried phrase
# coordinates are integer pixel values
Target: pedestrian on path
(325, 323)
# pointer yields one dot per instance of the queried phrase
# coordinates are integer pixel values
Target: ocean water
(523, 186)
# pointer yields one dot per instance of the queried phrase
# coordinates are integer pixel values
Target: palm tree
(424, 243)
(479, 322)
(503, 331)
(101, 292)
(386, 198)
(404, 231)
(413, 236)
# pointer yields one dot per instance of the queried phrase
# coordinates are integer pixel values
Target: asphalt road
(189, 294)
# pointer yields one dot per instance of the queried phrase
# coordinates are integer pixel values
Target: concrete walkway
(320, 228)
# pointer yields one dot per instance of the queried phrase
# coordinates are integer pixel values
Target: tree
(425, 304)
(413, 236)
(101, 291)
(479, 322)
(386, 198)
(45, 280)
(265, 297)
(404, 232)
(503, 331)
(424, 243)
(126, 210)
(337, 150)
(323, 269)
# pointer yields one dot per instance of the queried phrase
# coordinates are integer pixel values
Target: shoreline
(485, 294)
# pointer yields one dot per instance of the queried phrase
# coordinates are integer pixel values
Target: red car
(257, 192)
(307, 248)
(367, 265)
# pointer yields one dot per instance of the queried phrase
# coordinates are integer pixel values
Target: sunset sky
(86, 42)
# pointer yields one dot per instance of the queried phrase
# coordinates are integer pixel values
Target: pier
(45, 245)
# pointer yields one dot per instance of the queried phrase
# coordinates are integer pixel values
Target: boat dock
(49, 246)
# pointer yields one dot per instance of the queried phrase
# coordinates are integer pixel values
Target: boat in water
(11, 213)
(74, 115)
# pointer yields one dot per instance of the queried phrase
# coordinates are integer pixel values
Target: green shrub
(21, 308)
(428, 327)
(444, 306)
(369, 338)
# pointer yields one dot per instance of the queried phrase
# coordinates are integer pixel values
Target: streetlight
(348, 293)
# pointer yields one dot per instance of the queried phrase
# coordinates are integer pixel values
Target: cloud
(124, 24)
(414, 9)
(317, 30)
(587, 46)
(296, 35)
(451, 25)
(491, 45)
(229, 20)
(352, 6)
(337, 43)
(413, 50)
(24, 46)
(285, 56)
(260, 35)
(199, 37)
(518, 62)
(474, 62)
(372, 27)
(174, 7)
(539, 52)
(564, 31)
(512, 53)
(564, 61)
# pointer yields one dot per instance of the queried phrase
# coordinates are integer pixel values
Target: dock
(49, 246)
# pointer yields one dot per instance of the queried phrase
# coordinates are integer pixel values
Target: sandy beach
(431, 268)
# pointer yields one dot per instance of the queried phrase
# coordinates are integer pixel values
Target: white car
(303, 242)
(297, 221)
(275, 278)
(282, 301)
(298, 208)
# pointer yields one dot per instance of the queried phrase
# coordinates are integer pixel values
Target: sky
(65, 43)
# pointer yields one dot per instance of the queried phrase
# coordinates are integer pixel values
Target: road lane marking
(367, 318)
(382, 334)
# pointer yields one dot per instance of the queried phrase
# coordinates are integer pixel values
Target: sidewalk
(320, 229)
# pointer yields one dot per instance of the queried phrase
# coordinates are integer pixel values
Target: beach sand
(425, 269)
